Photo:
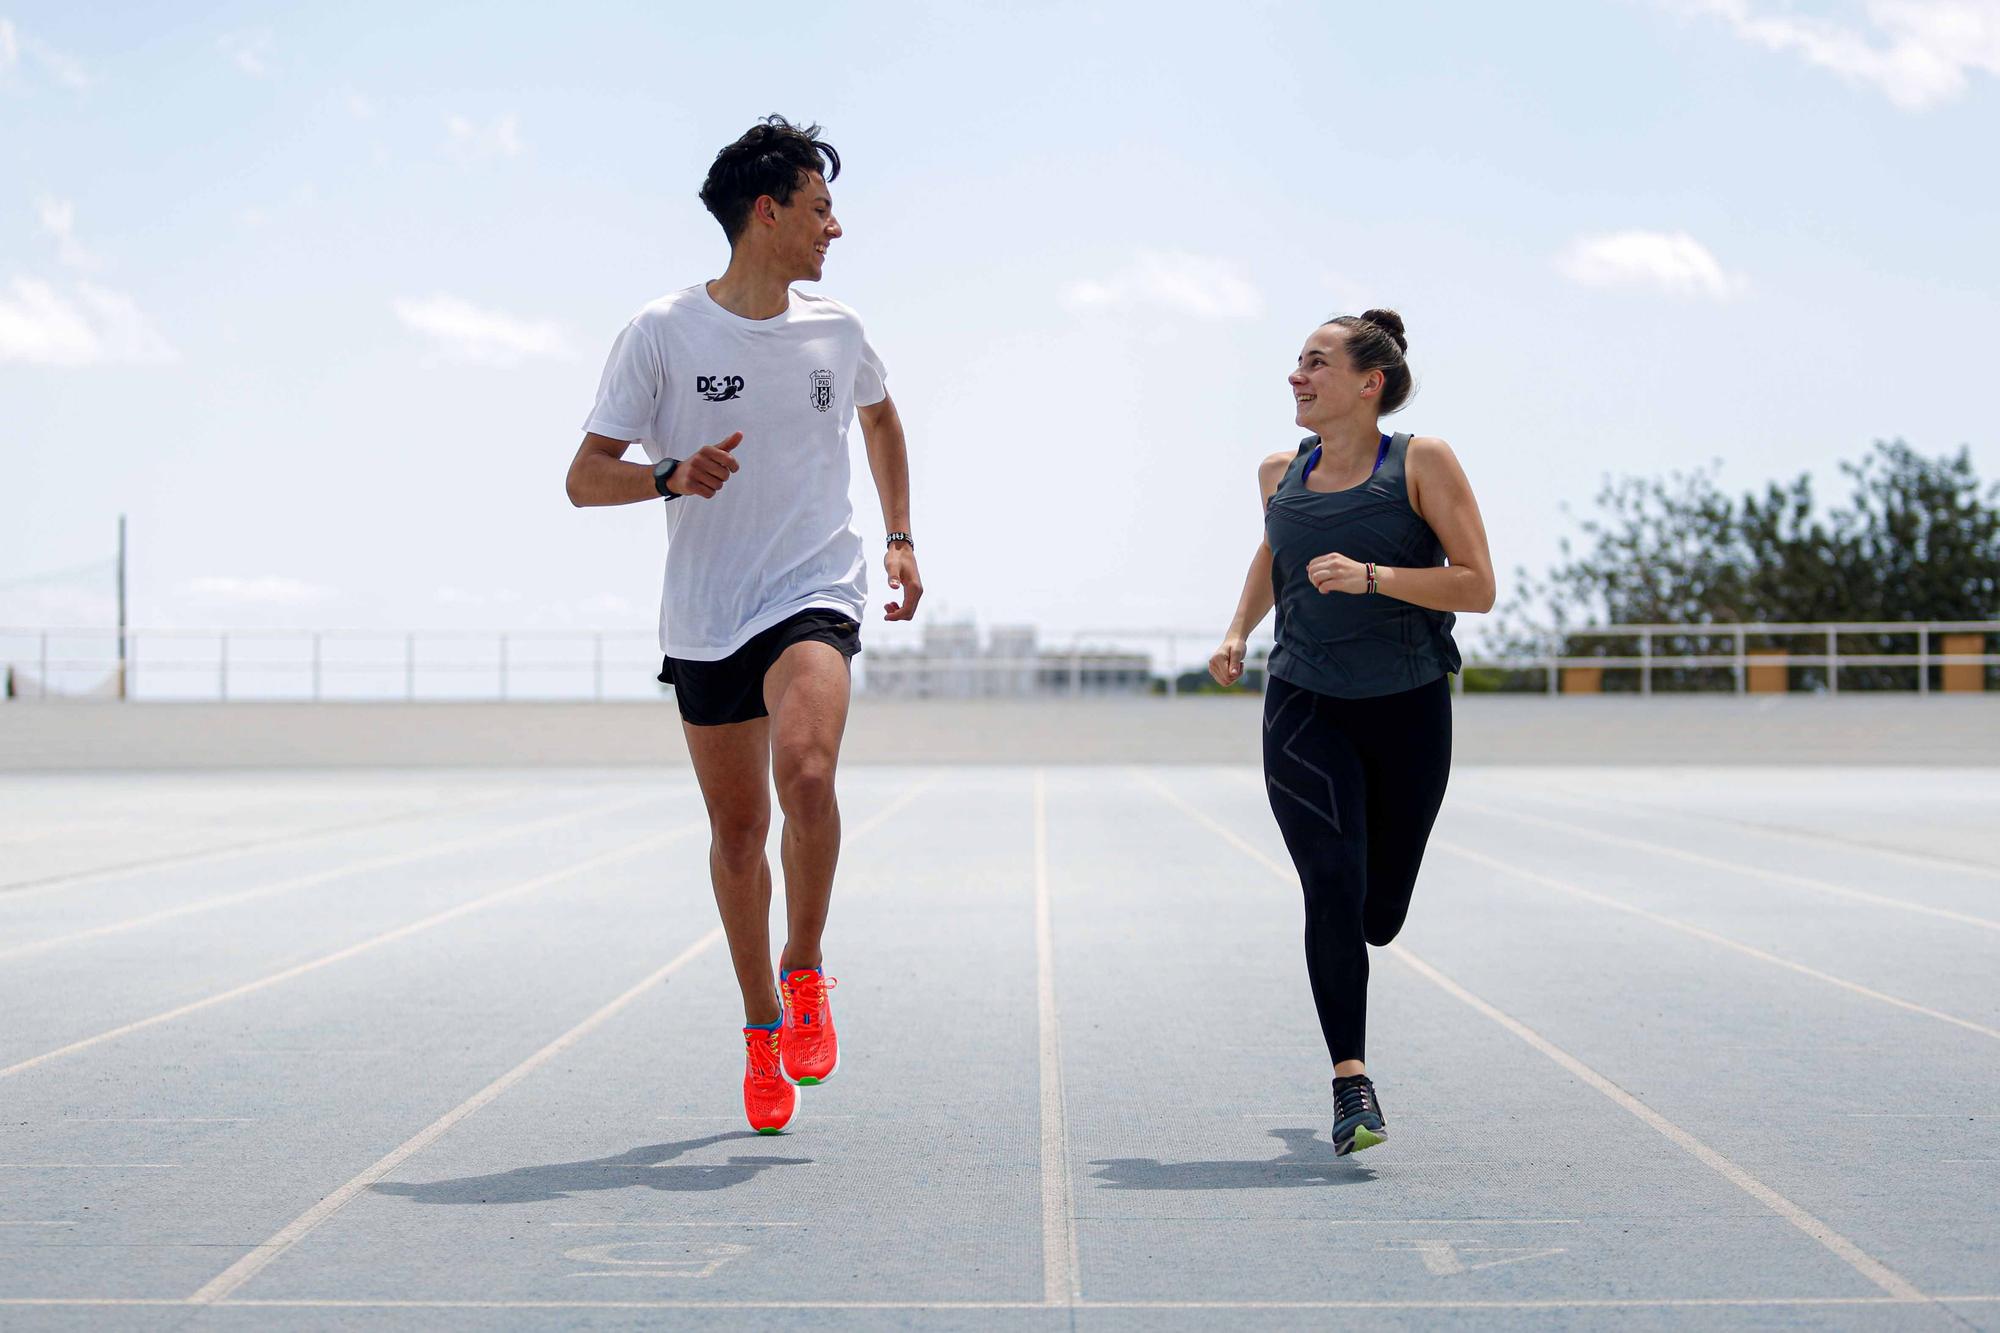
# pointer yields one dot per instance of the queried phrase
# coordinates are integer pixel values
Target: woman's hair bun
(1390, 323)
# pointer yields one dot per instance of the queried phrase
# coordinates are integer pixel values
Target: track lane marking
(1615, 805)
(228, 851)
(367, 865)
(341, 955)
(1061, 1274)
(1897, 1287)
(1731, 867)
(1711, 937)
(218, 1288)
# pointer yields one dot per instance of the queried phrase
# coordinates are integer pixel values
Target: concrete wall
(1490, 730)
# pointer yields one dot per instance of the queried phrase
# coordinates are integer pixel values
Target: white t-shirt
(779, 537)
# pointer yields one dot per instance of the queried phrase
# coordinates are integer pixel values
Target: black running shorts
(714, 694)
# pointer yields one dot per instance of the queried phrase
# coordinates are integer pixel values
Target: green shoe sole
(1365, 1137)
(807, 1082)
(770, 1131)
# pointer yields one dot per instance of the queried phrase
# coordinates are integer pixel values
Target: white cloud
(1672, 262)
(87, 326)
(14, 44)
(1173, 281)
(359, 105)
(248, 51)
(268, 590)
(465, 332)
(1918, 53)
(58, 218)
(471, 142)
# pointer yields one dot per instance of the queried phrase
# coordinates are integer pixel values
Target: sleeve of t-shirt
(629, 392)
(870, 375)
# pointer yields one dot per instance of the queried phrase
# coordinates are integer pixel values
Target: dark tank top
(1353, 645)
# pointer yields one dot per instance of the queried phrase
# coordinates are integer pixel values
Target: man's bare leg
(733, 765)
(806, 690)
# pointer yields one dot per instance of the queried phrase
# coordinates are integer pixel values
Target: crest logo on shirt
(822, 384)
(718, 388)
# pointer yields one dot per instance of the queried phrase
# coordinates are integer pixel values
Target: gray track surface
(1660, 1048)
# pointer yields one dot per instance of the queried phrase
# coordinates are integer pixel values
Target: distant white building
(953, 664)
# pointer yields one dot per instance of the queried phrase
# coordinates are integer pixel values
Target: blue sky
(319, 296)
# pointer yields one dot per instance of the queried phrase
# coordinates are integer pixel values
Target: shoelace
(762, 1048)
(805, 995)
(1355, 1099)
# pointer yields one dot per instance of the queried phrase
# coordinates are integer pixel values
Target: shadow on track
(1305, 1161)
(652, 1167)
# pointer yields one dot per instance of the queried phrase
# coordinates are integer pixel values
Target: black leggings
(1356, 785)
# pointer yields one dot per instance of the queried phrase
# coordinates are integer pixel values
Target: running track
(1670, 1048)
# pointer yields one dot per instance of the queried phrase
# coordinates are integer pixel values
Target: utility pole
(121, 606)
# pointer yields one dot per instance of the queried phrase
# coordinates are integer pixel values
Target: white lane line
(1861, 1262)
(1868, 1267)
(341, 955)
(250, 1264)
(1731, 867)
(1686, 928)
(365, 866)
(1619, 805)
(1061, 1275)
(229, 851)
(233, 1277)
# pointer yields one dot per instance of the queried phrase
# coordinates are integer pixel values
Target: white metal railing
(317, 665)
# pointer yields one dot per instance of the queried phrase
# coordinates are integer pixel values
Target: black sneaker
(1357, 1116)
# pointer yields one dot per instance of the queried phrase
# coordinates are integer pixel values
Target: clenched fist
(704, 473)
(1225, 664)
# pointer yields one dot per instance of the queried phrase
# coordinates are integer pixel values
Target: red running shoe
(811, 1051)
(769, 1101)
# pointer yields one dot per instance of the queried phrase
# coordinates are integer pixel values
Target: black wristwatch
(661, 471)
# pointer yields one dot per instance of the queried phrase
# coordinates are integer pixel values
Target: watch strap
(661, 471)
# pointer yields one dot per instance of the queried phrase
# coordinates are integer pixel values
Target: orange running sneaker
(812, 1052)
(769, 1101)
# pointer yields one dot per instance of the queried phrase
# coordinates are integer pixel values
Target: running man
(1371, 542)
(739, 391)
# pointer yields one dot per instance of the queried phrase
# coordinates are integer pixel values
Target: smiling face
(804, 228)
(1326, 387)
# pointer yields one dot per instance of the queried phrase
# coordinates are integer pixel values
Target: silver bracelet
(902, 537)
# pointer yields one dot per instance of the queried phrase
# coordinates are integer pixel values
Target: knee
(739, 839)
(1381, 933)
(1382, 927)
(805, 785)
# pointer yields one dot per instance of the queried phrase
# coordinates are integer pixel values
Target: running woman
(739, 391)
(1371, 542)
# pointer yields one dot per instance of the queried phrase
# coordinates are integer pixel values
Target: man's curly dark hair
(773, 157)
